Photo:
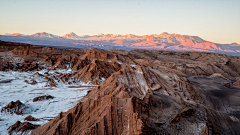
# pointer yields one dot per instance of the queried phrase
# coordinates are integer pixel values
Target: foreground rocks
(140, 91)
(21, 128)
(31, 118)
(44, 97)
(14, 107)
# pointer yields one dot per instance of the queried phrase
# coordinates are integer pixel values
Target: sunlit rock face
(95, 91)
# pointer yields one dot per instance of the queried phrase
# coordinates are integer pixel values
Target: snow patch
(65, 96)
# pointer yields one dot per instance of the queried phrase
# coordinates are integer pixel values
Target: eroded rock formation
(44, 97)
(14, 107)
(21, 128)
(142, 92)
(31, 118)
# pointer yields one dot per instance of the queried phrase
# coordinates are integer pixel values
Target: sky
(217, 21)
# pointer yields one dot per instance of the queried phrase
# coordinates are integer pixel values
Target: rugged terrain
(129, 92)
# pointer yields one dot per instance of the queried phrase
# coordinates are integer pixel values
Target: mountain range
(163, 41)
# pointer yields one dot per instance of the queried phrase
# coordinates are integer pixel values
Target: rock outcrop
(14, 107)
(135, 100)
(28, 53)
(31, 118)
(44, 97)
(21, 128)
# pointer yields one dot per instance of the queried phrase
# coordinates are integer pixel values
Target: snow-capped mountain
(45, 34)
(13, 34)
(162, 41)
(71, 35)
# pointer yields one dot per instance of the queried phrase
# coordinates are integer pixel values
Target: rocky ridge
(140, 91)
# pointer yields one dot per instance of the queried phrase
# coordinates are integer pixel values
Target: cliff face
(129, 102)
(145, 92)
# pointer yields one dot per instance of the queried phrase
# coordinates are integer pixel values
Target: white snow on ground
(13, 87)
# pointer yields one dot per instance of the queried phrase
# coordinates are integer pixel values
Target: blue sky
(213, 20)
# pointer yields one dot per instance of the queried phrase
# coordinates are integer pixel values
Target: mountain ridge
(162, 41)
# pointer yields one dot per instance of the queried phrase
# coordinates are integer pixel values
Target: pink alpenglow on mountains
(163, 41)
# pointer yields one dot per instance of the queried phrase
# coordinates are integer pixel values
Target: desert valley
(47, 90)
(119, 67)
